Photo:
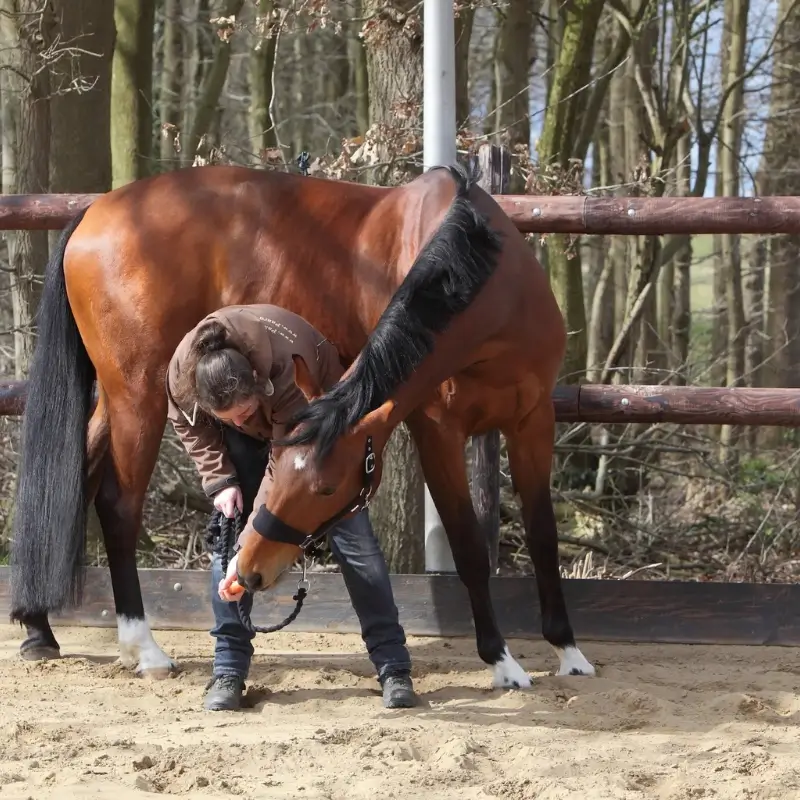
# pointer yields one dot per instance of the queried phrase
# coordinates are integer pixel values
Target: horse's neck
(454, 350)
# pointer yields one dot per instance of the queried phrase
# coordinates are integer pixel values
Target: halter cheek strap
(266, 524)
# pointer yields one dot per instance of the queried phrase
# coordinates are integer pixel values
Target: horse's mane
(444, 280)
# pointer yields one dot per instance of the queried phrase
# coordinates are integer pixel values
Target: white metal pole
(439, 149)
(439, 86)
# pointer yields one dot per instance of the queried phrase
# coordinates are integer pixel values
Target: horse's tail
(50, 508)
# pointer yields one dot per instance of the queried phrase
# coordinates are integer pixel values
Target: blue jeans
(359, 556)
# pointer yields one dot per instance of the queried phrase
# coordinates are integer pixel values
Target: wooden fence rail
(572, 214)
(686, 405)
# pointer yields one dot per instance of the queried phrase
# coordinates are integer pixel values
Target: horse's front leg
(444, 466)
(530, 453)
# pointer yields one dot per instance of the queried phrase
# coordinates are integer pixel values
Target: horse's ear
(377, 418)
(304, 379)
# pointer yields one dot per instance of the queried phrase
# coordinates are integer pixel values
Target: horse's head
(320, 474)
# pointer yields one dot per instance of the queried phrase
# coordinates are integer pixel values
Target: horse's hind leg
(530, 453)
(444, 466)
(41, 643)
(136, 428)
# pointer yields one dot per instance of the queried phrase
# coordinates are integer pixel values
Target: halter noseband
(266, 524)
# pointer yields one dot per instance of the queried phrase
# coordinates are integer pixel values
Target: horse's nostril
(252, 582)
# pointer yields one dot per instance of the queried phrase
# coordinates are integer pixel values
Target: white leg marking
(508, 674)
(137, 647)
(573, 662)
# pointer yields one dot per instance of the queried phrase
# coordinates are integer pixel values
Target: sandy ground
(660, 722)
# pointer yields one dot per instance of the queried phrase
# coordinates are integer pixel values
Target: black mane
(444, 280)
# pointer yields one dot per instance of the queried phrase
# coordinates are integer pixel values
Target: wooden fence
(604, 610)
(635, 216)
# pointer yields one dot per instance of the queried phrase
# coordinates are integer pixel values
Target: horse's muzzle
(252, 583)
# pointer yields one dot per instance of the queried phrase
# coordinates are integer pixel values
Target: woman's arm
(204, 443)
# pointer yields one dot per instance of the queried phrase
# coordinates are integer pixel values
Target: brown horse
(147, 261)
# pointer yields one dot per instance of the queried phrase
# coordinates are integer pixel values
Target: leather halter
(266, 524)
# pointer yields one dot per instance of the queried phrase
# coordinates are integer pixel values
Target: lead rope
(229, 530)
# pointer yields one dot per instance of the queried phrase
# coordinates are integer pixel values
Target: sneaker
(224, 693)
(398, 691)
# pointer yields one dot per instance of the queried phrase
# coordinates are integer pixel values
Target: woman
(231, 390)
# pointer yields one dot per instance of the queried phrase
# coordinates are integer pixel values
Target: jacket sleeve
(204, 443)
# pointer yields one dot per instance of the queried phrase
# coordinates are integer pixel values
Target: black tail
(50, 508)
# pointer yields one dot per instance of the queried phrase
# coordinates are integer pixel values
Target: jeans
(359, 556)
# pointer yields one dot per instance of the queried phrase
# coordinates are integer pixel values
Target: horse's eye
(327, 491)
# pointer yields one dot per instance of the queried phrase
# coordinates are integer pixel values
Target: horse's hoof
(40, 652)
(508, 674)
(573, 662)
(159, 673)
(156, 674)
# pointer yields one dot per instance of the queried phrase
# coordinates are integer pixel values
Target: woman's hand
(229, 588)
(227, 499)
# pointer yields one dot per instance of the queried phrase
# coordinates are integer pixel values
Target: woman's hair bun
(211, 337)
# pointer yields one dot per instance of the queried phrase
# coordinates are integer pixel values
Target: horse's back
(152, 258)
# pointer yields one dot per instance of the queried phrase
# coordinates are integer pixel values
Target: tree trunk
(359, 76)
(132, 91)
(512, 87)
(80, 150)
(719, 312)
(336, 77)
(262, 64)
(601, 318)
(644, 345)
(753, 289)
(736, 14)
(753, 286)
(206, 108)
(664, 126)
(171, 78)
(195, 51)
(301, 90)
(397, 511)
(720, 324)
(682, 311)
(781, 166)
(618, 246)
(600, 335)
(394, 63)
(559, 143)
(560, 134)
(26, 32)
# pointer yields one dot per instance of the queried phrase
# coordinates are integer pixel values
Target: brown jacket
(269, 336)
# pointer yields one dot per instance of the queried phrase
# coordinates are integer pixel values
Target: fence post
(495, 165)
